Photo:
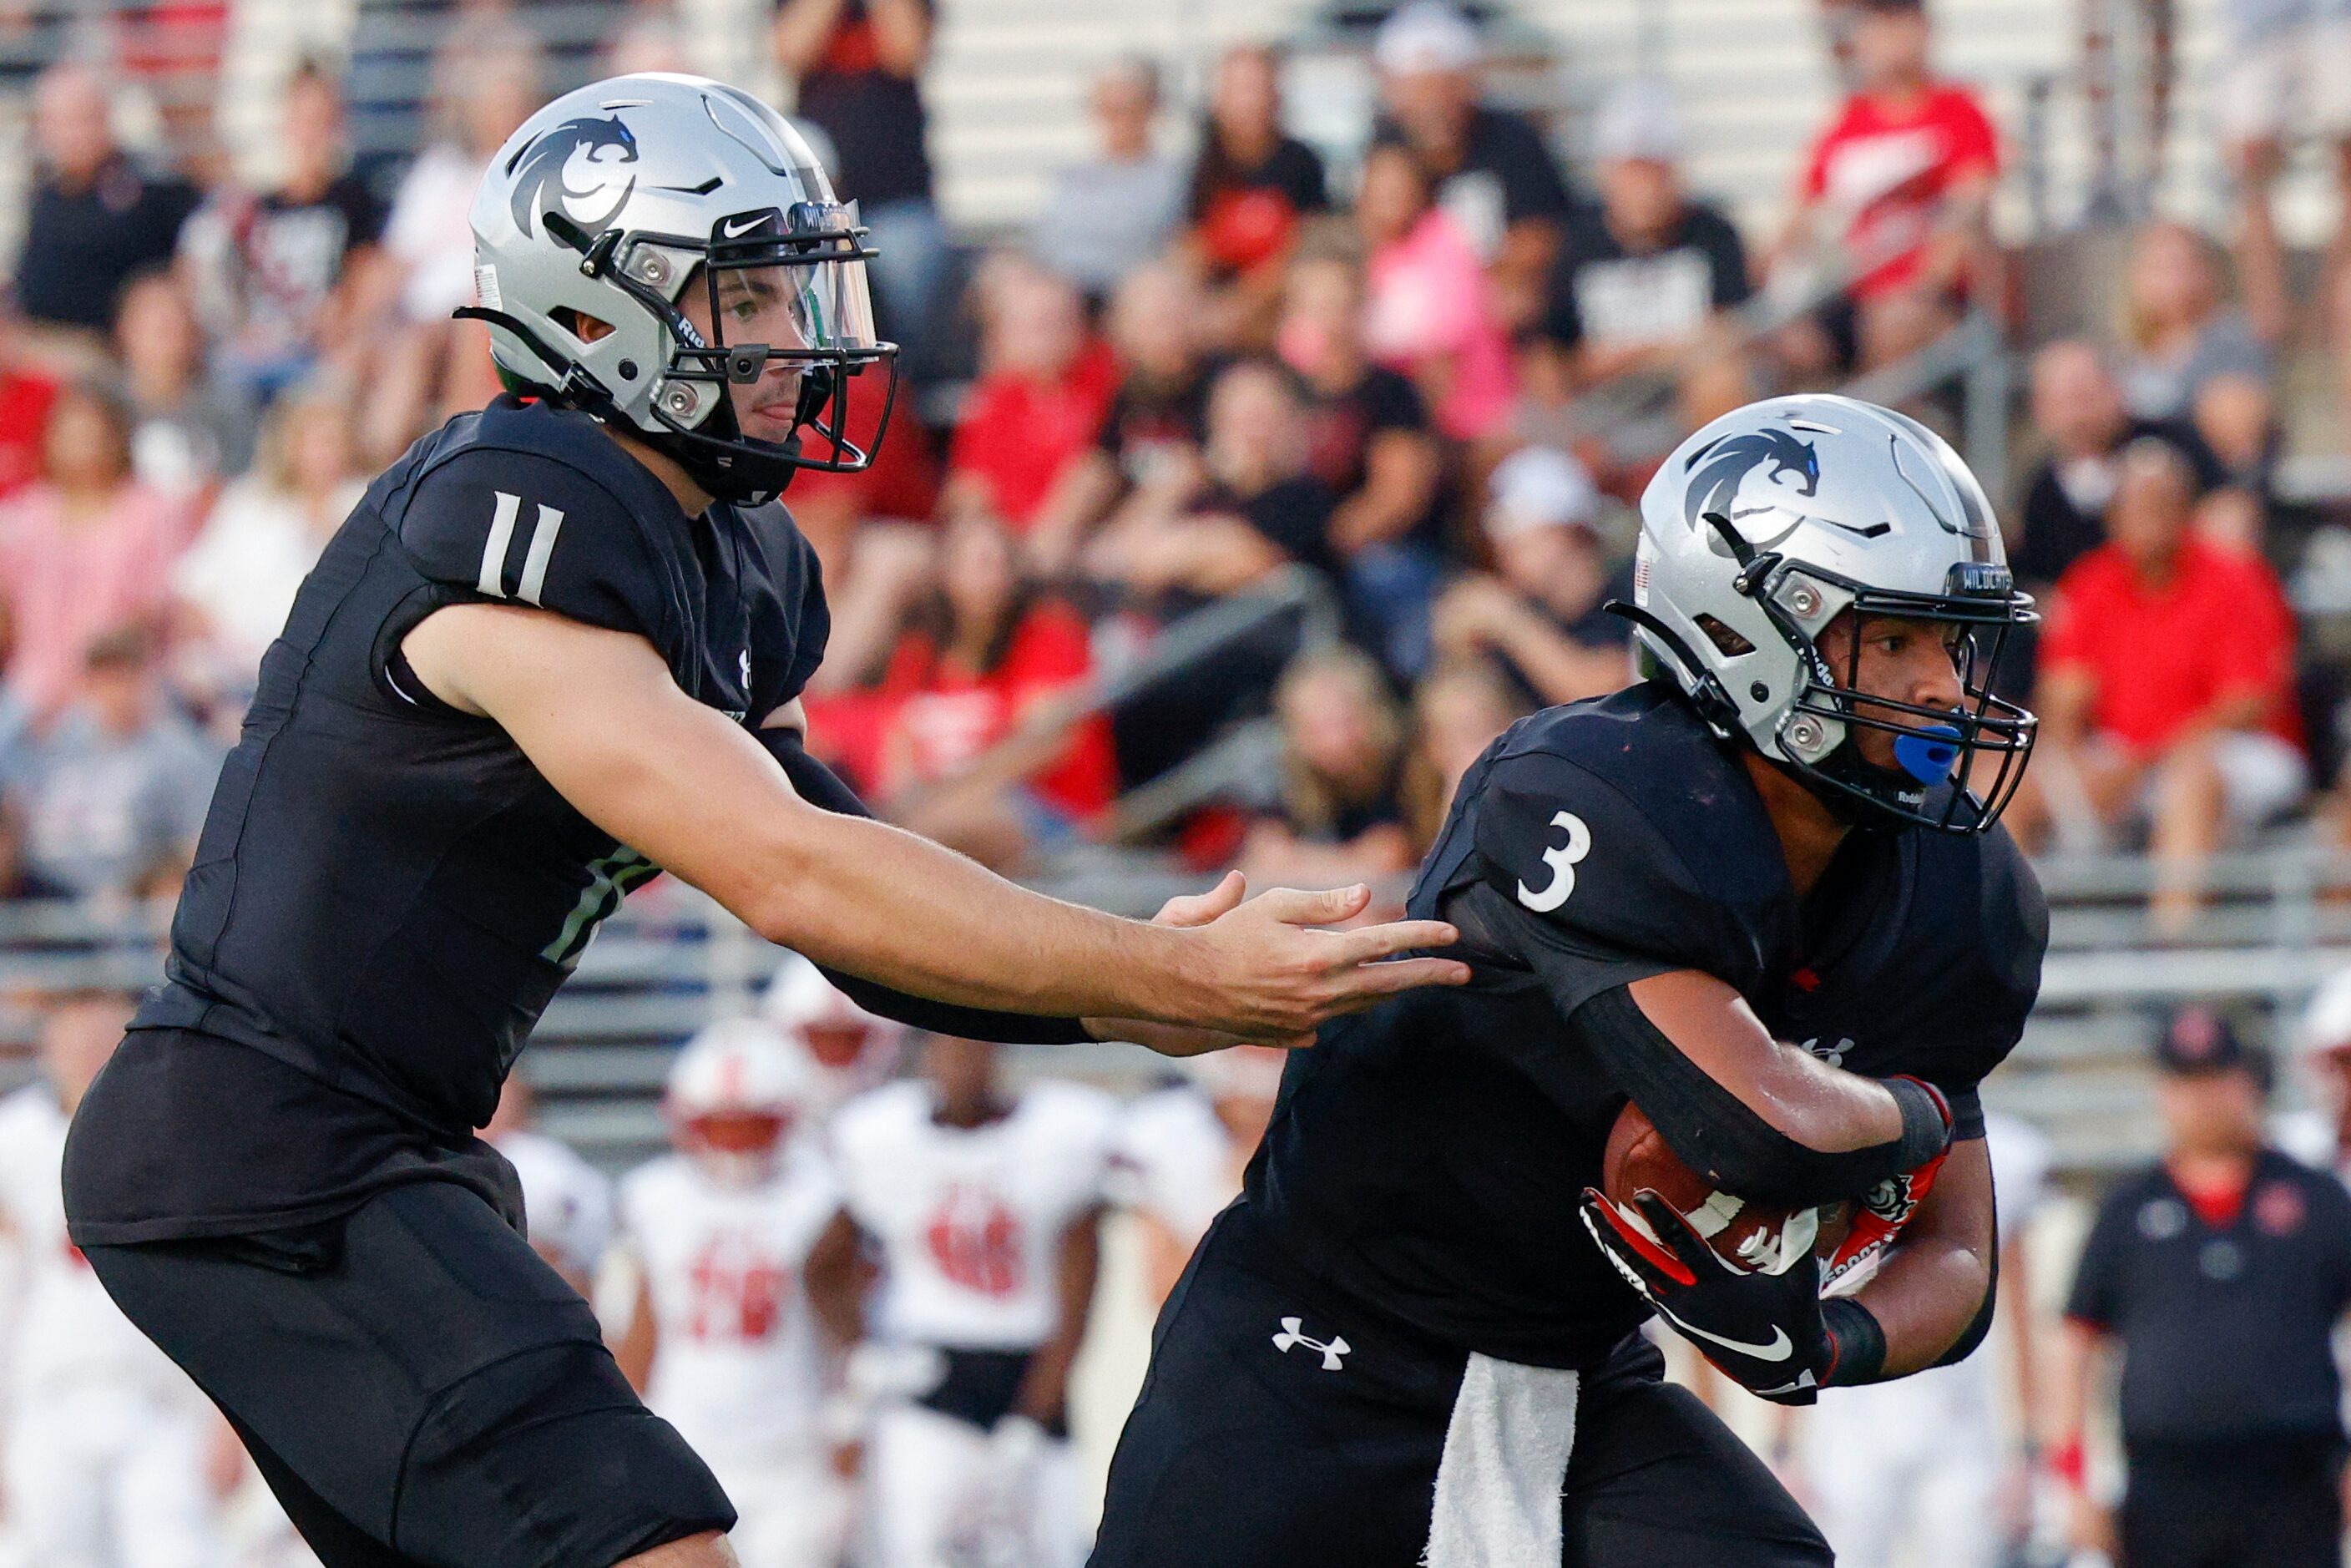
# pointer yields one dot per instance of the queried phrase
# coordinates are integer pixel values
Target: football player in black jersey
(1761, 893)
(558, 645)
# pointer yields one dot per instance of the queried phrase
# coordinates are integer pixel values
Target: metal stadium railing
(2279, 922)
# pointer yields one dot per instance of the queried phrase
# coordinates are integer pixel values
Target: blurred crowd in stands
(1419, 395)
(1422, 399)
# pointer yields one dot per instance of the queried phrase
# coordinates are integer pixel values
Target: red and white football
(1637, 1156)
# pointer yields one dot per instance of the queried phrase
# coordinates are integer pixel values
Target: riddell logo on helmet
(580, 165)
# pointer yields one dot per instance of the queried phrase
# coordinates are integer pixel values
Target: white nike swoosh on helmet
(728, 231)
(1780, 1348)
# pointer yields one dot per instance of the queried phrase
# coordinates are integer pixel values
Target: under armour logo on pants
(1334, 1351)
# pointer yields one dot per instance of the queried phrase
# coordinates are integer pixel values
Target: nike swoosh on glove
(1880, 1214)
(1763, 1329)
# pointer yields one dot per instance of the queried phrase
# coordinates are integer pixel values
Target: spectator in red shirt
(1044, 386)
(24, 398)
(1900, 181)
(2166, 686)
(1153, 430)
(986, 660)
(83, 552)
(871, 530)
(1251, 188)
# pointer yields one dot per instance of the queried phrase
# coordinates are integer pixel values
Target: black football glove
(1763, 1329)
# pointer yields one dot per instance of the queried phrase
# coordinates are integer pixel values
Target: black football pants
(2251, 1505)
(1283, 1427)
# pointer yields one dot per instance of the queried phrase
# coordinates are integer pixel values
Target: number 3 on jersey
(1562, 859)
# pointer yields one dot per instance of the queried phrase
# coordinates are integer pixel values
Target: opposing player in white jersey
(1181, 1152)
(567, 1202)
(847, 1049)
(984, 1208)
(724, 1342)
(2318, 1132)
(1917, 1470)
(106, 1440)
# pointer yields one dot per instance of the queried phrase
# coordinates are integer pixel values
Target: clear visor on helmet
(787, 329)
(793, 307)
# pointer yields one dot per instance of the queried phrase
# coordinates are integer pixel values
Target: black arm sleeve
(1580, 885)
(819, 786)
(1717, 1135)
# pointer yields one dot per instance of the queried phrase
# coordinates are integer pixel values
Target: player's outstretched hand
(1193, 910)
(1268, 975)
(1763, 1329)
(1185, 910)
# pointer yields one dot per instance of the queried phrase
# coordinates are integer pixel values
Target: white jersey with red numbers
(1174, 1161)
(68, 1329)
(738, 1364)
(1908, 1472)
(102, 1463)
(970, 1220)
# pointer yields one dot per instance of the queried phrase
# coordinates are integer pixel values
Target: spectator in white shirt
(1107, 217)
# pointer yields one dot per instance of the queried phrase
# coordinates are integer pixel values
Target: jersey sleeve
(2004, 980)
(2331, 1207)
(504, 526)
(2096, 1300)
(1589, 894)
(815, 625)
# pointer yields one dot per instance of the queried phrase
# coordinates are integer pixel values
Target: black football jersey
(1428, 1153)
(386, 892)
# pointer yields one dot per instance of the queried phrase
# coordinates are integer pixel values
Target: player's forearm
(1759, 1118)
(1706, 1024)
(1045, 1391)
(1926, 1296)
(874, 901)
(1933, 1293)
(821, 786)
(835, 1274)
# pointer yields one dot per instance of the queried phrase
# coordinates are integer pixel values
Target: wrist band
(1926, 1119)
(1856, 1343)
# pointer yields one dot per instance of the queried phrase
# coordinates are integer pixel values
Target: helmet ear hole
(1727, 640)
(579, 324)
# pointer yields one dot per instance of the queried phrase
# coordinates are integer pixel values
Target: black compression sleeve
(1713, 1131)
(1858, 1341)
(819, 786)
(812, 779)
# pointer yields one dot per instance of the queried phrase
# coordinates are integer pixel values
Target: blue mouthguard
(1928, 755)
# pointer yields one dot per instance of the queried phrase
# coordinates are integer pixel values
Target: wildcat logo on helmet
(581, 164)
(1720, 473)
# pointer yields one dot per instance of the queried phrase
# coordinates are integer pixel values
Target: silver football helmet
(1764, 525)
(622, 211)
